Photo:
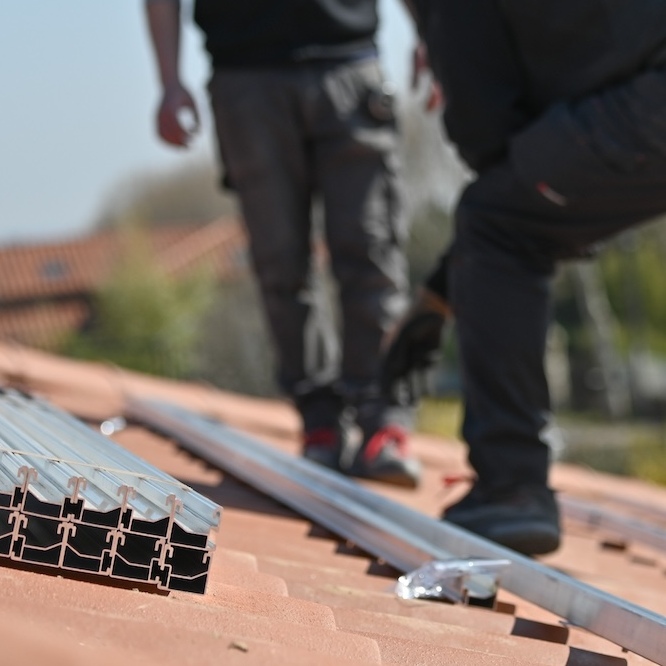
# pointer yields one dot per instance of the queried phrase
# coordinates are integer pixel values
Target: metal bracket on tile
(470, 581)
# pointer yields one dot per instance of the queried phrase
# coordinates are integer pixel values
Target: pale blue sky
(79, 92)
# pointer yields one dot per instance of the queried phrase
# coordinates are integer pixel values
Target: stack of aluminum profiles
(73, 499)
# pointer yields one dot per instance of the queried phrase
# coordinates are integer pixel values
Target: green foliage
(442, 418)
(236, 350)
(634, 271)
(146, 320)
(647, 458)
(631, 449)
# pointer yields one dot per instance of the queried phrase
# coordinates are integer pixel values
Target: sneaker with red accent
(384, 457)
(323, 446)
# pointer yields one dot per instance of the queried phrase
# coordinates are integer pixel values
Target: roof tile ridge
(220, 231)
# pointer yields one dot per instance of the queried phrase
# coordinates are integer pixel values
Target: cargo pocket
(567, 164)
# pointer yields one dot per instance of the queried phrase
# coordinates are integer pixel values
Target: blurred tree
(614, 309)
(634, 269)
(236, 352)
(599, 320)
(190, 193)
(145, 320)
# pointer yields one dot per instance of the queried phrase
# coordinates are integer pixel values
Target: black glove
(413, 348)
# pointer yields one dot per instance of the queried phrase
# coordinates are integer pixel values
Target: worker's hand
(421, 69)
(177, 118)
(413, 347)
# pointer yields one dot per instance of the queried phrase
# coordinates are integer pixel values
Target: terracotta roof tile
(81, 265)
(284, 591)
(43, 324)
(46, 290)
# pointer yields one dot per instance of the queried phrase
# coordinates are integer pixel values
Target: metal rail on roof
(624, 526)
(404, 538)
(72, 499)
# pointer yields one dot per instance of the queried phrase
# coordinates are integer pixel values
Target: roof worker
(303, 114)
(559, 107)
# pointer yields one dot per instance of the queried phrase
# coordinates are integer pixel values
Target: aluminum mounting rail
(404, 538)
(72, 499)
(624, 526)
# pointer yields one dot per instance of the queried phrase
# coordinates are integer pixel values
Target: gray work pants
(290, 134)
(579, 174)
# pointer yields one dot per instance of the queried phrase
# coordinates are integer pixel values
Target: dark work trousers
(289, 135)
(579, 174)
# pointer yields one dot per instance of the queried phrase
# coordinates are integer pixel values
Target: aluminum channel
(32, 426)
(624, 526)
(75, 500)
(401, 536)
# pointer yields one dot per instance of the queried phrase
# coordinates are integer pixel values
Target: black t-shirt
(271, 32)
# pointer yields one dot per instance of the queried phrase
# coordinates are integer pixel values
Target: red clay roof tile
(283, 591)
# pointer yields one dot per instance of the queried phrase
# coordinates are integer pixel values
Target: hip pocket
(565, 161)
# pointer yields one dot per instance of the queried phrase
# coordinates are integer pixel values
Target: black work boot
(524, 518)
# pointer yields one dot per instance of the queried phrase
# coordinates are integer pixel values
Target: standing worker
(302, 112)
(559, 106)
